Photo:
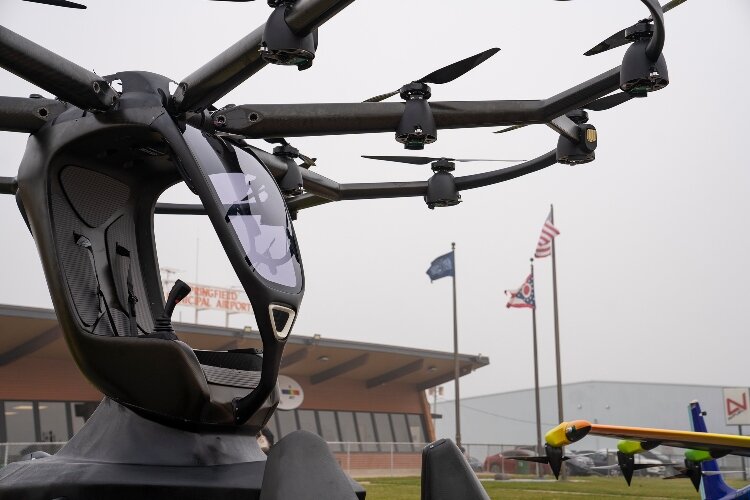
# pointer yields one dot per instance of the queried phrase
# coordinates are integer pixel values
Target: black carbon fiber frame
(220, 75)
(54, 73)
(23, 114)
(373, 190)
(297, 120)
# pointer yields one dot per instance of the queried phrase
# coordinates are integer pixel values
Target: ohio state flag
(524, 296)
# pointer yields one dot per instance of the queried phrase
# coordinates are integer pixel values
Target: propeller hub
(283, 46)
(578, 116)
(443, 165)
(640, 30)
(286, 151)
(415, 90)
(442, 191)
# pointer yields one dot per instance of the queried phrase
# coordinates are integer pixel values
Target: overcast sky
(652, 260)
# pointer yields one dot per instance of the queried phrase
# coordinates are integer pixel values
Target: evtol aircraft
(178, 422)
(702, 450)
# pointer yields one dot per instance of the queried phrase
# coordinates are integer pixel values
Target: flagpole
(536, 380)
(455, 352)
(560, 416)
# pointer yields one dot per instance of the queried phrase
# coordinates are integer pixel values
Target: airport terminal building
(362, 398)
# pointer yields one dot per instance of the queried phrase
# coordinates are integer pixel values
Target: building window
(307, 421)
(401, 432)
(80, 413)
(19, 422)
(53, 422)
(416, 428)
(329, 429)
(383, 429)
(287, 422)
(366, 431)
(348, 429)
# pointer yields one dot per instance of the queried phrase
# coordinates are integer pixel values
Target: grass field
(407, 488)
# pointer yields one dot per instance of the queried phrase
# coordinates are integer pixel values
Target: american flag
(544, 245)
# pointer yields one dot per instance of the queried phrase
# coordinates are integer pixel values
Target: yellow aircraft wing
(718, 444)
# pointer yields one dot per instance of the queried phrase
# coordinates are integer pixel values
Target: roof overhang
(27, 332)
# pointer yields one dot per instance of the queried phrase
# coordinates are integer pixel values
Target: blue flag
(441, 267)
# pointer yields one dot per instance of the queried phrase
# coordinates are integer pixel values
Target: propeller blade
(276, 140)
(382, 97)
(414, 160)
(475, 159)
(605, 467)
(553, 457)
(601, 104)
(539, 460)
(447, 73)
(671, 5)
(618, 39)
(692, 471)
(457, 69)
(648, 466)
(608, 102)
(424, 160)
(309, 162)
(508, 129)
(681, 475)
(59, 3)
(614, 41)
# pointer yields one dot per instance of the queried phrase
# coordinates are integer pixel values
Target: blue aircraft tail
(712, 487)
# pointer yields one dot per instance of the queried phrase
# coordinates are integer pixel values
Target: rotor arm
(506, 174)
(220, 75)
(298, 120)
(180, 209)
(24, 114)
(376, 190)
(54, 73)
(305, 200)
(8, 185)
(577, 97)
(314, 183)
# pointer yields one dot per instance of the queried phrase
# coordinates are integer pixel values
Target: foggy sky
(652, 265)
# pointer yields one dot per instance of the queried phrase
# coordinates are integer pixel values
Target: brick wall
(379, 462)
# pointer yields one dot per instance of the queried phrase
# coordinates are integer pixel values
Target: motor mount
(640, 74)
(417, 126)
(283, 46)
(441, 188)
(571, 152)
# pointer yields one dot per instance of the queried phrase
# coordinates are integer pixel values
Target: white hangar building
(509, 418)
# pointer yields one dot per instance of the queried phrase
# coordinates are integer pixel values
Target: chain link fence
(363, 459)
